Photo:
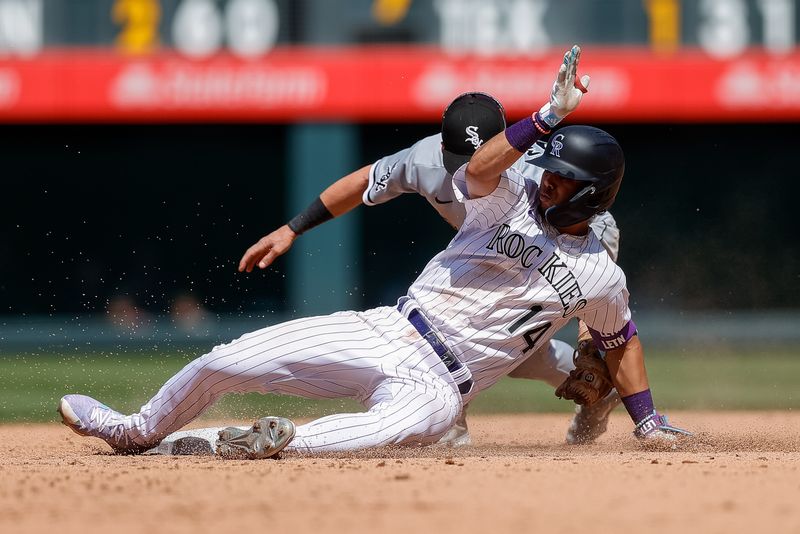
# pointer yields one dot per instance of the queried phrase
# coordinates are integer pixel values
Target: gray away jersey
(420, 169)
(508, 281)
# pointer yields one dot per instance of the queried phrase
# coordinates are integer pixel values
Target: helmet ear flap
(574, 211)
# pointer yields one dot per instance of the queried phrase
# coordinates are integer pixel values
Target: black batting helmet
(469, 121)
(585, 154)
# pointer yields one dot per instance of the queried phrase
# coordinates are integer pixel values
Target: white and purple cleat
(89, 417)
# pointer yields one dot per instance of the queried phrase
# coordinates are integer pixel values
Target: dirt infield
(739, 475)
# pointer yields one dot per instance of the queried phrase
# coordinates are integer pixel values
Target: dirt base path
(739, 475)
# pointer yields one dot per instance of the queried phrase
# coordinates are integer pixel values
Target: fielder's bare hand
(269, 247)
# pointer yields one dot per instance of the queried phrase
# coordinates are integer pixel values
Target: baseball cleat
(655, 432)
(457, 436)
(590, 422)
(89, 417)
(265, 439)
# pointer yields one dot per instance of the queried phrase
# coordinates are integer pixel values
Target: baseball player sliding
(522, 264)
(427, 168)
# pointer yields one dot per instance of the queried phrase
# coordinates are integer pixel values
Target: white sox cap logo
(472, 132)
(556, 145)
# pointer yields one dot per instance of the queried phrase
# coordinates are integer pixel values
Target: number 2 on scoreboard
(139, 20)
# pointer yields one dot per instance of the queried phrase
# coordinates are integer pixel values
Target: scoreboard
(391, 60)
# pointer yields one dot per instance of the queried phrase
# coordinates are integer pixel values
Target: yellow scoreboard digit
(139, 20)
(665, 24)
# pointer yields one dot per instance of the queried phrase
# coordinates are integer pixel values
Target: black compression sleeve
(315, 214)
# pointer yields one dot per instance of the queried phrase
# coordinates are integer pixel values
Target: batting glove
(567, 90)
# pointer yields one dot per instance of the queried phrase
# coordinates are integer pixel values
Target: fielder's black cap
(469, 121)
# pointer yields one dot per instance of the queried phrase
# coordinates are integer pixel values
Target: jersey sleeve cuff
(614, 340)
(460, 184)
(365, 196)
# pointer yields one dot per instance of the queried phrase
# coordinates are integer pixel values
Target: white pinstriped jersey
(508, 281)
(420, 169)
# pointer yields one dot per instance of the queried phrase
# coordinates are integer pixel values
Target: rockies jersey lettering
(552, 269)
(506, 262)
(514, 246)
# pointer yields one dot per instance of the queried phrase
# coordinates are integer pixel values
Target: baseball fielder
(522, 264)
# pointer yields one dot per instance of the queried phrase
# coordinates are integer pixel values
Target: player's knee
(435, 415)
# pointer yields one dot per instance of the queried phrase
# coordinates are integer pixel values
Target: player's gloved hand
(267, 249)
(590, 381)
(656, 428)
(567, 91)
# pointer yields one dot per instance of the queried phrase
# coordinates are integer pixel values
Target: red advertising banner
(390, 83)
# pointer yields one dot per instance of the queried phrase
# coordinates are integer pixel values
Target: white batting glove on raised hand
(567, 90)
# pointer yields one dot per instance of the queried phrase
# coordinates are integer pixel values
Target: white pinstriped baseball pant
(375, 357)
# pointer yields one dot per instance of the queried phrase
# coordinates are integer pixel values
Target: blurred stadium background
(145, 144)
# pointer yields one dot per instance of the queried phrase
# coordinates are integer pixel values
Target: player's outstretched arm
(626, 365)
(628, 373)
(501, 151)
(339, 198)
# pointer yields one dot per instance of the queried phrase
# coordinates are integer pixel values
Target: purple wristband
(523, 134)
(639, 405)
(615, 340)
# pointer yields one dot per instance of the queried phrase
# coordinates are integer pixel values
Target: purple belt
(460, 373)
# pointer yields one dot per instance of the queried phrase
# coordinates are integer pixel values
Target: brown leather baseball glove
(590, 381)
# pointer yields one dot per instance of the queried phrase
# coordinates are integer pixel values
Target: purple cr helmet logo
(556, 145)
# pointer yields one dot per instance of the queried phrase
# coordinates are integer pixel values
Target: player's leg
(415, 404)
(408, 411)
(590, 422)
(317, 357)
(322, 357)
(551, 364)
(343, 355)
(401, 411)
